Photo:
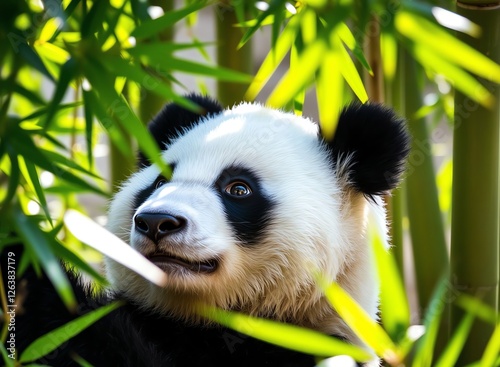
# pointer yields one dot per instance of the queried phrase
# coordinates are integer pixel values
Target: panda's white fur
(317, 225)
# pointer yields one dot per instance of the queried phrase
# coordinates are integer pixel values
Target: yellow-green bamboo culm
(475, 213)
(426, 224)
(228, 54)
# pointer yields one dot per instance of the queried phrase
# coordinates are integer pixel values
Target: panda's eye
(238, 189)
(160, 182)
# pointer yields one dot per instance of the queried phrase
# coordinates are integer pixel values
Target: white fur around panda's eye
(238, 189)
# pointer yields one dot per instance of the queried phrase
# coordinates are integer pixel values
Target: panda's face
(254, 209)
(248, 204)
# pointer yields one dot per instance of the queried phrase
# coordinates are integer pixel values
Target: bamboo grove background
(75, 71)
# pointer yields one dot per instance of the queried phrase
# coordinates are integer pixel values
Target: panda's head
(257, 205)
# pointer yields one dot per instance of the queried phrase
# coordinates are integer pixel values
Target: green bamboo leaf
(33, 59)
(165, 49)
(54, 339)
(425, 346)
(25, 147)
(275, 56)
(30, 95)
(350, 73)
(285, 335)
(477, 307)
(274, 7)
(89, 129)
(298, 78)
(213, 71)
(329, 92)
(152, 27)
(68, 72)
(368, 330)
(120, 110)
(39, 243)
(43, 110)
(394, 306)
(492, 352)
(94, 19)
(347, 37)
(461, 80)
(13, 181)
(63, 161)
(454, 347)
(298, 100)
(9, 362)
(115, 134)
(135, 72)
(34, 182)
(429, 35)
(73, 258)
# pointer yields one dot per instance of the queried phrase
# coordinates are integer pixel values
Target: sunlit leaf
(443, 45)
(92, 234)
(462, 80)
(329, 91)
(367, 329)
(285, 335)
(152, 27)
(350, 73)
(492, 351)
(347, 37)
(274, 58)
(299, 77)
(39, 243)
(54, 339)
(478, 308)
(454, 347)
(394, 307)
(50, 27)
(389, 52)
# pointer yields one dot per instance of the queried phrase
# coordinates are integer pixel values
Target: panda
(258, 204)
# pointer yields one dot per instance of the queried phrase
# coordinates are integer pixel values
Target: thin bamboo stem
(426, 224)
(475, 213)
(228, 55)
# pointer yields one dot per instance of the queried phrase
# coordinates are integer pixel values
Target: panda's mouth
(164, 260)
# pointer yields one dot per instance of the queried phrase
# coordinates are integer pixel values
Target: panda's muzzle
(157, 226)
(163, 260)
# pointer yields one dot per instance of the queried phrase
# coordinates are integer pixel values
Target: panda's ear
(370, 148)
(173, 119)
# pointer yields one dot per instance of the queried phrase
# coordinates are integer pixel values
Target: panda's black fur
(367, 153)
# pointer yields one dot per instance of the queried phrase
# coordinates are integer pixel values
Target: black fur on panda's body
(132, 337)
(256, 231)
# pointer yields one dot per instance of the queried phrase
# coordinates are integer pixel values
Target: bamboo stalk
(121, 166)
(394, 96)
(228, 56)
(426, 224)
(475, 213)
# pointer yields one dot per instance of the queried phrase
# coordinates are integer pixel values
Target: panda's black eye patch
(247, 207)
(238, 189)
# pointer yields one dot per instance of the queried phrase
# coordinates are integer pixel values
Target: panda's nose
(158, 225)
